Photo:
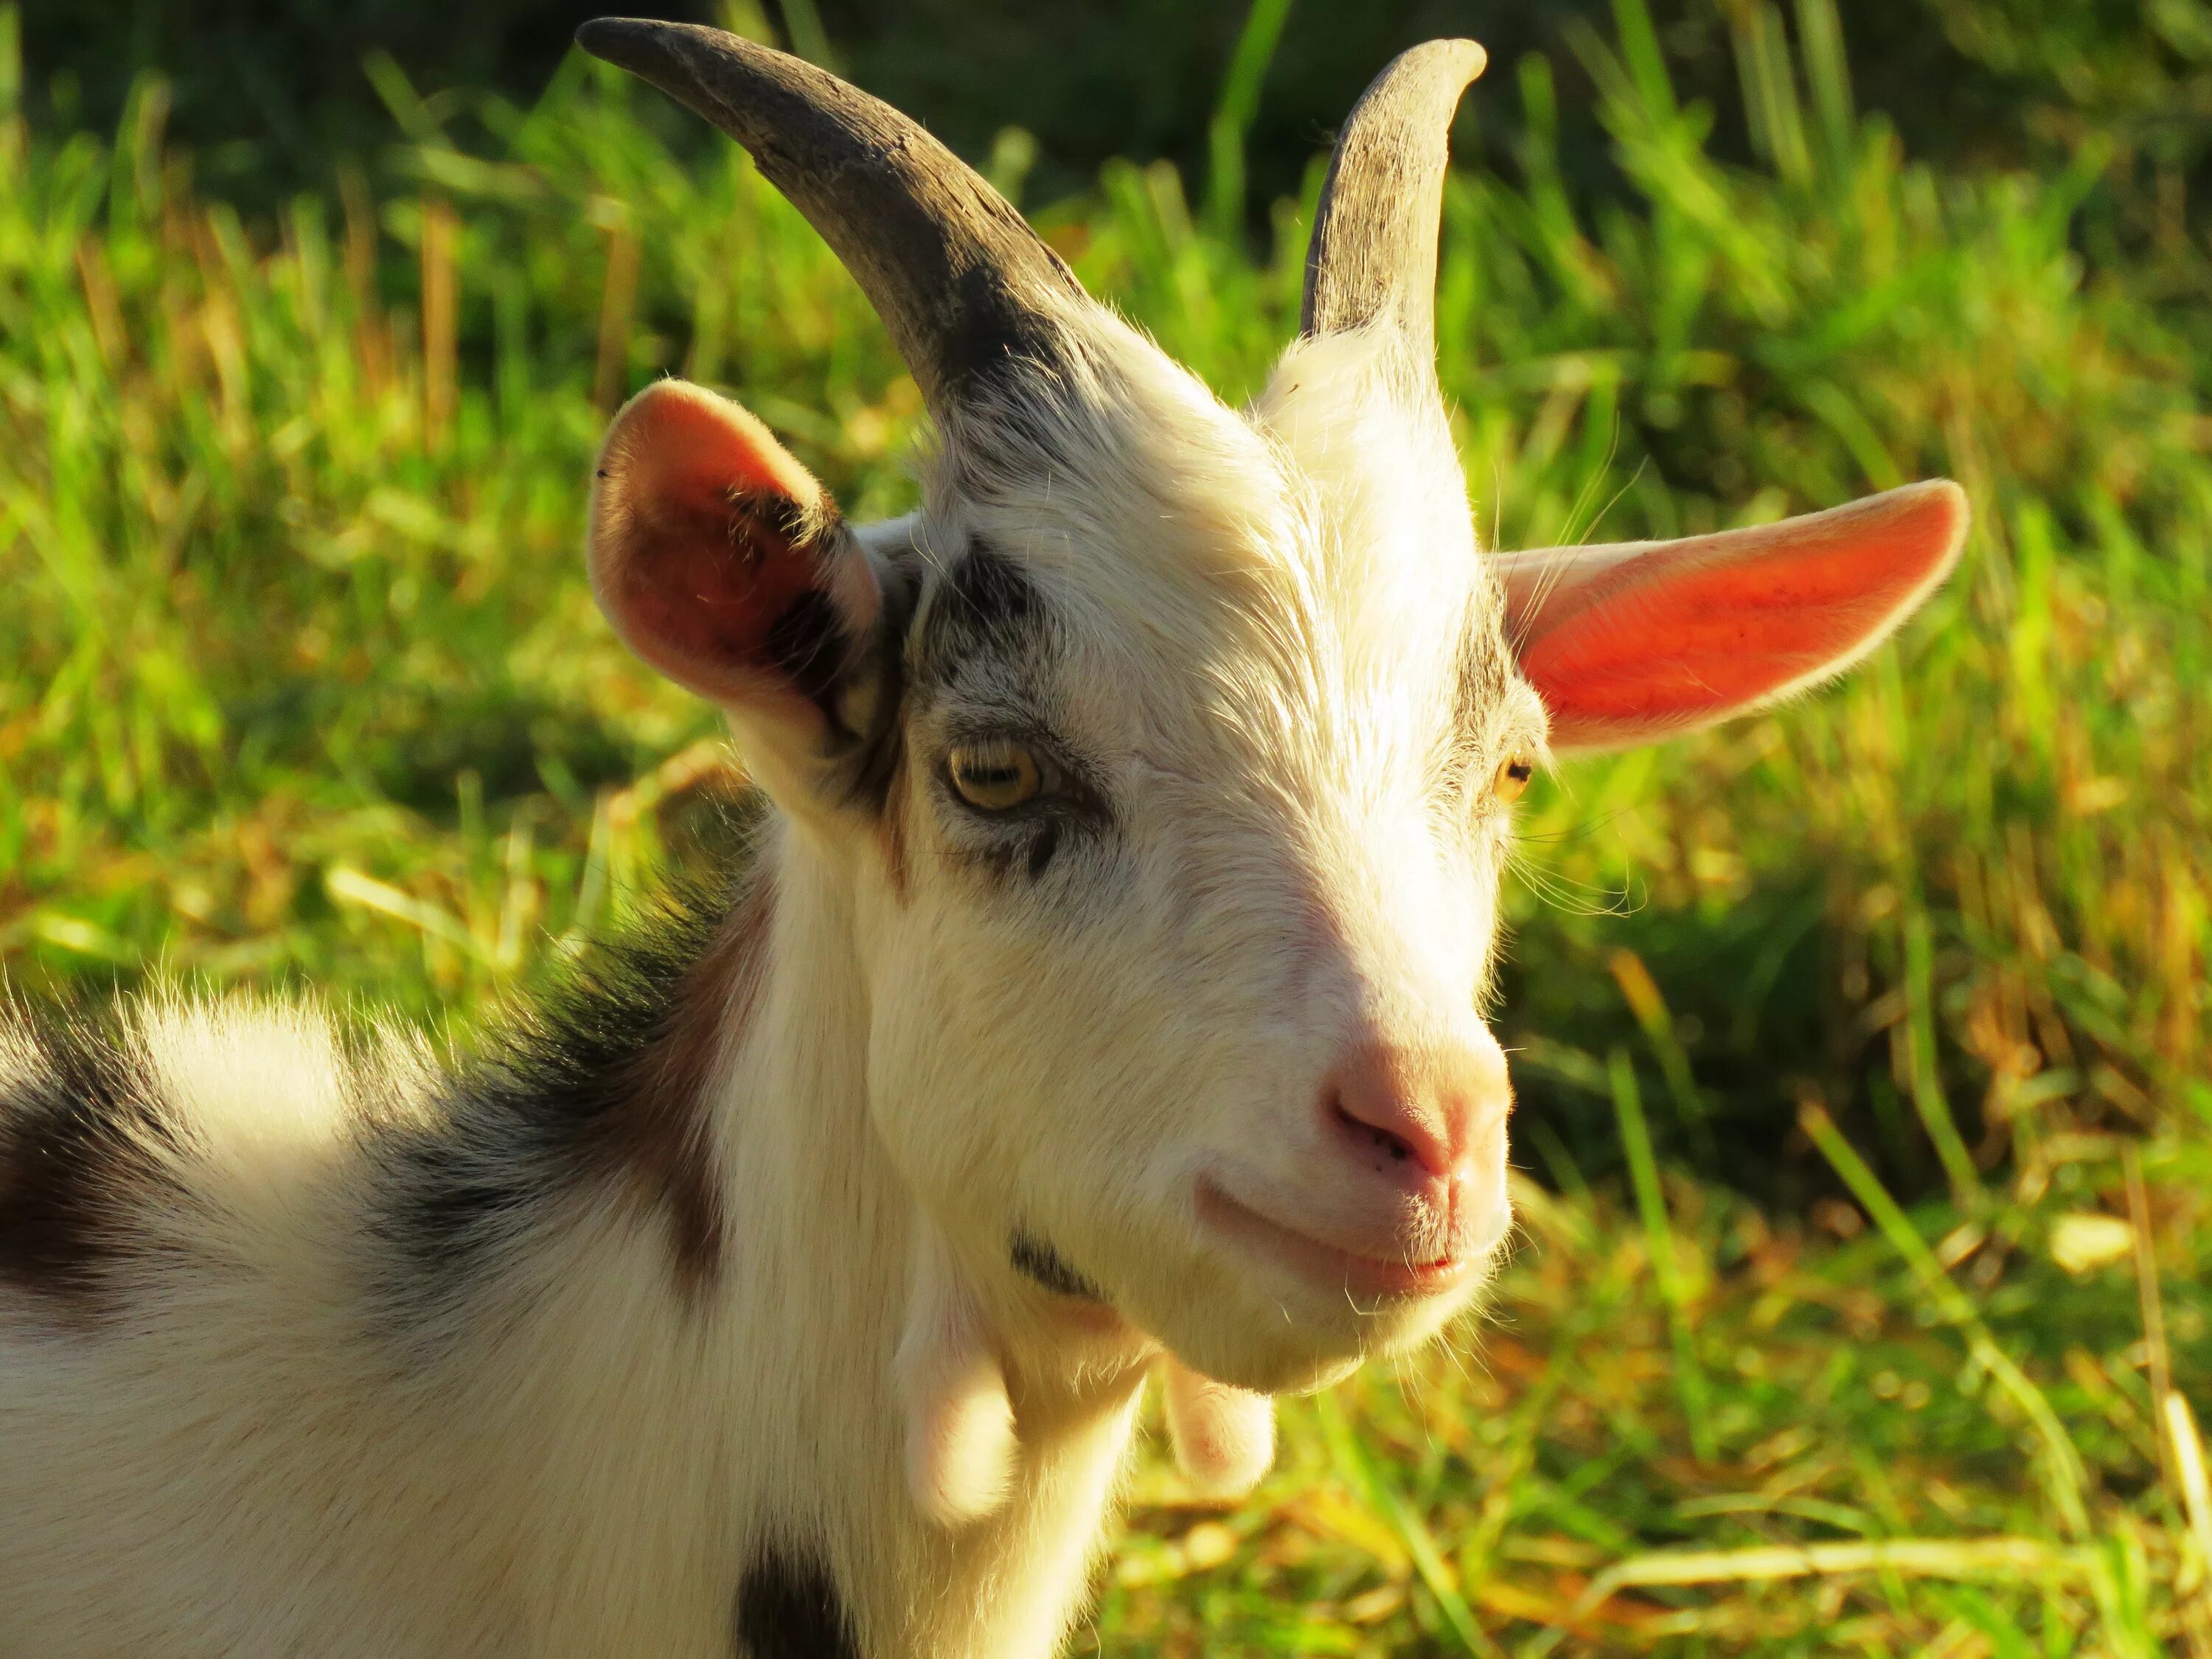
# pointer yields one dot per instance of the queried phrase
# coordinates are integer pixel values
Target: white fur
(1261, 625)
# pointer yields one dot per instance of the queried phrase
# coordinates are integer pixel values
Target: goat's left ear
(723, 563)
(1642, 639)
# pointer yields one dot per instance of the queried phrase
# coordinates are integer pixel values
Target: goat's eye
(1513, 774)
(995, 776)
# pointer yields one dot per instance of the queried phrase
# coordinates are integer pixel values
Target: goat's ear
(1642, 639)
(722, 563)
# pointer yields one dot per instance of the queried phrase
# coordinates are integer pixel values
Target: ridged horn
(959, 279)
(1373, 257)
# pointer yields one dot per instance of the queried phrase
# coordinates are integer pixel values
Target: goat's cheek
(938, 1064)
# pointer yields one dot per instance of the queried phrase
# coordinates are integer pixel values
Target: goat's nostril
(1373, 1134)
(1380, 1138)
(1430, 1109)
(1399, 1151)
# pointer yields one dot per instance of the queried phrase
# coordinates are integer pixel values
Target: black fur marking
(1043, 847)
(1009, 334)
(987, 618)
(815, 526)
(873, 764)
(788, 1608)
(808, 645)
(1040, 420)
(1040, 1262)
(597, 1081)
(812, 645)
(75, 1163)
(986, 606)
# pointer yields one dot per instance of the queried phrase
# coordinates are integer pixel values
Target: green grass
(303, 687)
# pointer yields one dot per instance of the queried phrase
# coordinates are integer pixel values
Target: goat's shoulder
(140, 1139)
(596, 1093)
(166, 1135)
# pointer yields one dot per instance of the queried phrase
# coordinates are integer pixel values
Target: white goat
(1108, 986)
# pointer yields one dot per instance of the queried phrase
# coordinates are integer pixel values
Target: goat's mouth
(1331, 1267)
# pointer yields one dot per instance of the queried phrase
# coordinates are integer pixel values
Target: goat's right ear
(723, 563)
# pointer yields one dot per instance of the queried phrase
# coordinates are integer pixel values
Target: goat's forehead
(1302, 579)
(1337, 470)
(1245, 616)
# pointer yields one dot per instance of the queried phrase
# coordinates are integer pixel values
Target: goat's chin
(1254, 1335)
(1304, 1360)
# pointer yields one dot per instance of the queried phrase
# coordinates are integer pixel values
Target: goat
(1107, 990)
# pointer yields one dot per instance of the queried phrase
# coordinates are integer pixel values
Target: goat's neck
(816, 1293)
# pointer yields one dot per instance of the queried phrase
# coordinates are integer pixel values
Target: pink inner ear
(705, 583)
(702, 557)
(1625, 644)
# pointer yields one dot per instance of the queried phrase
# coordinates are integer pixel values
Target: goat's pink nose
(1434, 1109)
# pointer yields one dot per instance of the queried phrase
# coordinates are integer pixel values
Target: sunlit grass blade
(2061, 1462)
(1659, 1240)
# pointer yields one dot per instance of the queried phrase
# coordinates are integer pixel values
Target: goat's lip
(1326, 1264)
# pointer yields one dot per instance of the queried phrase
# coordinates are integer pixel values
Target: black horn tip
(962, 282)
(632, 43)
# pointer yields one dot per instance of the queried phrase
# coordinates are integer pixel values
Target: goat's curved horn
(1373, 259)
(958, 275)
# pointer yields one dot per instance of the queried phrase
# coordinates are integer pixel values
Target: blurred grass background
(1864, 1048)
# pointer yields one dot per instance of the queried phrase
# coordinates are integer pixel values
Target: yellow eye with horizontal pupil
(1513, 774)
(995, 777)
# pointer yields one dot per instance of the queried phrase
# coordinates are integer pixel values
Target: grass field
(1865, 1050)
